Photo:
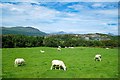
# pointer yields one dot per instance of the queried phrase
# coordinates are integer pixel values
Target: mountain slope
(61, 32)
(30, 31)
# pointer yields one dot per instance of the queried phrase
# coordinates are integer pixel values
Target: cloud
(77, 7)
(60, 0)
(97, 5)
(108, 12)
(73, 17)
(26, 11)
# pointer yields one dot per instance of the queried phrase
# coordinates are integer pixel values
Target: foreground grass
(79, 61)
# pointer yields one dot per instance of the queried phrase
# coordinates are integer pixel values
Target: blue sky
(75, 17)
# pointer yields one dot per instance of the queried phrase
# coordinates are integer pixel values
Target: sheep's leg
(100, 59)
(15, 65)
(59, 67)
(55, 67)
(95, 59)
(51, 67)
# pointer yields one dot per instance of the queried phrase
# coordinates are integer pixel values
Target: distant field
(79, 61)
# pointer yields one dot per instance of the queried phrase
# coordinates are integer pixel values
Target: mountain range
(30, 31)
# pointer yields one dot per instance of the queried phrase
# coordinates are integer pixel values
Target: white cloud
(1, 5)
(60, 0)
(97, 5)
(108, 12)
(77, 7)
(51, 20)
(27, 11)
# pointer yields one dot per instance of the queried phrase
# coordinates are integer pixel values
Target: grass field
(79, 61)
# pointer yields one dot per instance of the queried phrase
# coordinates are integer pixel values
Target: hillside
(30, 31)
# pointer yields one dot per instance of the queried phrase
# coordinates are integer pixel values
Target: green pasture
(79, 62)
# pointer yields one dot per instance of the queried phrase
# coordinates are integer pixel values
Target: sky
(70, 16)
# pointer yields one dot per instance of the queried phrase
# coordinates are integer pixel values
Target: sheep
(58, 49)
(58, 64)
(65, 47)
(42, 51)
(97, 57)
(107, 48)
(19, 62)
(71, 47)
(59, 46)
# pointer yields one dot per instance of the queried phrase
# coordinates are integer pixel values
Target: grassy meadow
(79, 62)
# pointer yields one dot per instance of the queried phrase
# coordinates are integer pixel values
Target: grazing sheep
(59, 46)
(19, 62)
(97, 57)
(58, 64)
(71, 47)
(58, 49)
(107, 48)
(42, 51)
(65, 47)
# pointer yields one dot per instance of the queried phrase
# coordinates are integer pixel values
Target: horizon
(71, 17)
(58, 32)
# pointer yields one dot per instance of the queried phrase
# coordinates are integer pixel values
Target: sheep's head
(64, 67)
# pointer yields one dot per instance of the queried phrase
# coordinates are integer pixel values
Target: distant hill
(30, 31)
(61, 32)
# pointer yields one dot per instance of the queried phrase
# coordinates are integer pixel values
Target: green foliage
(10, 41)
(79, 61)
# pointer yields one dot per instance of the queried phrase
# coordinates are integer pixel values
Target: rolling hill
(30, 31)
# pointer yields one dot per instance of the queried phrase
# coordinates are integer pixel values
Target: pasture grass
(79, 61)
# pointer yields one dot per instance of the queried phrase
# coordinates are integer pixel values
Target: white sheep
(71, 47)
(58, 64)
(58, 49)
(42, 51)
(97, 57)
(59, 46)
(65, 47)
(107, 48)
(19, 62)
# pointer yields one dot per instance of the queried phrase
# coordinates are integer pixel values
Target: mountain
(61, 32)
(30, 31)
(111, 34)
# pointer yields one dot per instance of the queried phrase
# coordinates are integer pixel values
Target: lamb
(58, 64)
(59, 46)
(71, 47)
(42, 51)
(19, 62)
(107, 48)
(97, 57)
(58, 49)
(65, 47)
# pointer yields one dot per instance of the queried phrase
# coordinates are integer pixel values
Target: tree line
(14, 41)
